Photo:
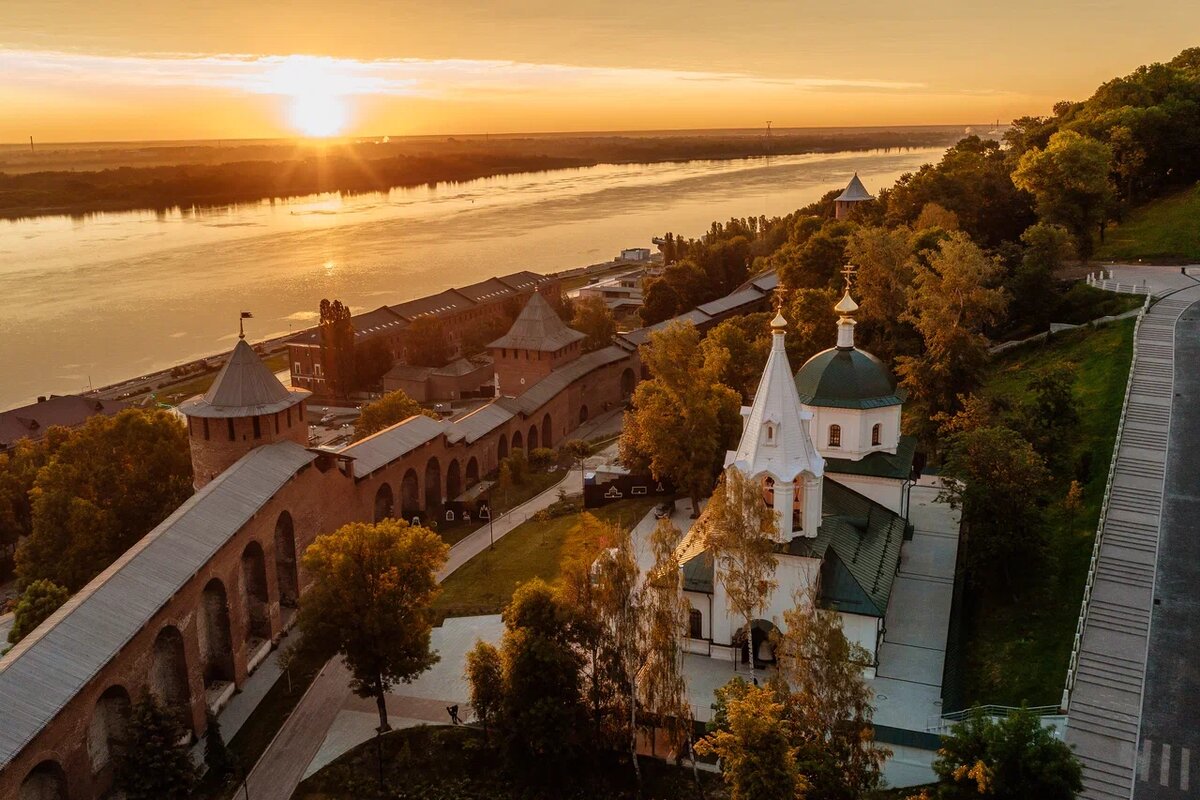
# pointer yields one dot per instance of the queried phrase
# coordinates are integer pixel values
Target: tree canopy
(385, 412)
(593, 318)
(337, 346)
(39, 600)
(1070, 179)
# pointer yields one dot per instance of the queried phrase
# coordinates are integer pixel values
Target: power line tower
(768, 137)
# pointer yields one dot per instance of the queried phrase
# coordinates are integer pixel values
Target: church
(825, 444)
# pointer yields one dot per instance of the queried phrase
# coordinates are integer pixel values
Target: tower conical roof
(243, 388)
(538, 327)
(786, 450)
(854, 191)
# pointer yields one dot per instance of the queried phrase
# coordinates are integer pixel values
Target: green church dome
(845, 377)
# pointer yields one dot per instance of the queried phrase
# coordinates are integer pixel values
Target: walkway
(1105, 700)
(284, 764)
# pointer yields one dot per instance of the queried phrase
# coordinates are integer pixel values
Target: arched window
(835, 435)
(876, 435)
(695, 624)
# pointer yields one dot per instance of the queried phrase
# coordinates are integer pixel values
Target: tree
(427, 343)
(108, 483)
(812, 322)
(1070, 180)
(1047, 247)
(153, 765)
(953, 299)
(40, 599)
(886, 268)
(485, 676)
(757, 758)
(683, 418)
(663, 689)
(988, 469)
(385, 412)
(18, 472)
(741, 531)
(934, 215)
(828, 704)
(371, 360)
(216, 754)
(1012, 758)
(337, 346)
(369, 602)
(1050, 414)
(593, 318)
(659, 301)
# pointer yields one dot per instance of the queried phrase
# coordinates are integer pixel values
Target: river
(91, 301)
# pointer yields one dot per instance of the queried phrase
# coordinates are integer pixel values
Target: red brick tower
(245, 407)
(537, 343)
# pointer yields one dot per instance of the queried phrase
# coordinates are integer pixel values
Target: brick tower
(537, 343)
(245, 407)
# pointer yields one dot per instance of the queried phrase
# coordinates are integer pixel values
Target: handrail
(1073, 662)
(947, 720)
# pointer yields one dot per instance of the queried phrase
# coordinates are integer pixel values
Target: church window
(835, 435)
(695, 624)
(876, 434)
(769, 433)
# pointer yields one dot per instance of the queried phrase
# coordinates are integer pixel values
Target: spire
(845, 309)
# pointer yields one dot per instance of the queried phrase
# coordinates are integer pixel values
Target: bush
(542, 458)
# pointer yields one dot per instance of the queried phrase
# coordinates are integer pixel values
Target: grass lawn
(439, 763)
(485, 584)
(1167, 229)
(1017, 649)
(535, 483)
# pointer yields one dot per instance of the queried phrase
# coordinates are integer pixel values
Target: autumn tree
(1011, 758)
(153, 765)
(885, 268)
(108, 484)
(372, 360)
(934, 215)
(953, 300)
(828, 703)
(1047, 248)
(385, 412)
(741, 530)
(663, 690)
(337, 346)
(427, 343)
(683, 419)
(988, 469)
(593, 318)
(18, 472)
(747, 340)
(1070, 180)
(485, 677)
(811, 323)
(758, 759)
(369, 602)
(40, 599)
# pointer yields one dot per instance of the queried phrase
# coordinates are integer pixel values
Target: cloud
(298, 74)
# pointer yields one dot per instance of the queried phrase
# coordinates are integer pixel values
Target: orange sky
(80, 70)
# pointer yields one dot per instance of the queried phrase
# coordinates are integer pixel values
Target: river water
(100, 299)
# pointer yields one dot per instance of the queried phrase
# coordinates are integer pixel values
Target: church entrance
(761, 646)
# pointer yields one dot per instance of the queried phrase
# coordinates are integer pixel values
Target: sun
(318, 114)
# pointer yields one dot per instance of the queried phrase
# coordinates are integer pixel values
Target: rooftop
(538, 327)
(244, 387)
(854, 192)
(31, 421)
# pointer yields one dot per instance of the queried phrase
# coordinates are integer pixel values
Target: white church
(825, 443)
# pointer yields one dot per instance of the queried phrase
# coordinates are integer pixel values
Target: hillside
(1166, 230)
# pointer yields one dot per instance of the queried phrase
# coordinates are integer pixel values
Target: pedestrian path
(1108, 669)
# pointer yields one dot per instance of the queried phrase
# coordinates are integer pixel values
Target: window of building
(876, 434)
(257, 428)
(206, 429)
(298, 370)
(835, 435)
(276, 423)
(232, 435)
(695, 624)
(289, 424)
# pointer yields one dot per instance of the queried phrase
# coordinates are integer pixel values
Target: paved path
(1105, 703)
(1170, 732)
(282, 767)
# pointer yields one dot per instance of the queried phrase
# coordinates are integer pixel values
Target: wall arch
(433, 485)
(628, 383)
(287, 568)
(533, 437)
(384, 502)
(547, 431)
(109, 727)
(502, 447)
(46, 781)
(454, 485)
(472, 472)
(256, 603)
(583, 414)
(517, 442)
(410, 494)
(169, 675)
(216, 637)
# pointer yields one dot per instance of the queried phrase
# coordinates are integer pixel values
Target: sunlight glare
(319, 90)
(318, 115)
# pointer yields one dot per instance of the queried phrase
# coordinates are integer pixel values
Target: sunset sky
(81, 70)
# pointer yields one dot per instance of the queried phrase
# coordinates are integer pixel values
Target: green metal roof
(847, 378)
(698, 573)
(896, 465)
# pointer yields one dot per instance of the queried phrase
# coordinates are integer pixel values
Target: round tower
(245, 407)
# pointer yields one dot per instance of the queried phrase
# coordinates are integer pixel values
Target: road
(1169, 744)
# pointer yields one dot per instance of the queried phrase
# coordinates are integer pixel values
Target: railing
(1073, 664)
(1049, 714)
(1104, 280)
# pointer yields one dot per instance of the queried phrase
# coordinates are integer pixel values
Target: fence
(1073, 663)
(1104, 280)
(1048, 714)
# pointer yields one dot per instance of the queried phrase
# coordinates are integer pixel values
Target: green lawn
(485, 584)
(1017, 649)
(1167, 229)
(440, 763)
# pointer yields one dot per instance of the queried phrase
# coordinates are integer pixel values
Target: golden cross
(849, 271)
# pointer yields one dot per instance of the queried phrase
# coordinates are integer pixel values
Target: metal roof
(31, 421)
(845, 377)
(733, 301)
(538, 327)
(544, 390)
(854, 192)
(896, 465)
(44, 671)
(389, 444)
(434, 305)
(243, 388)
(479, 423)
